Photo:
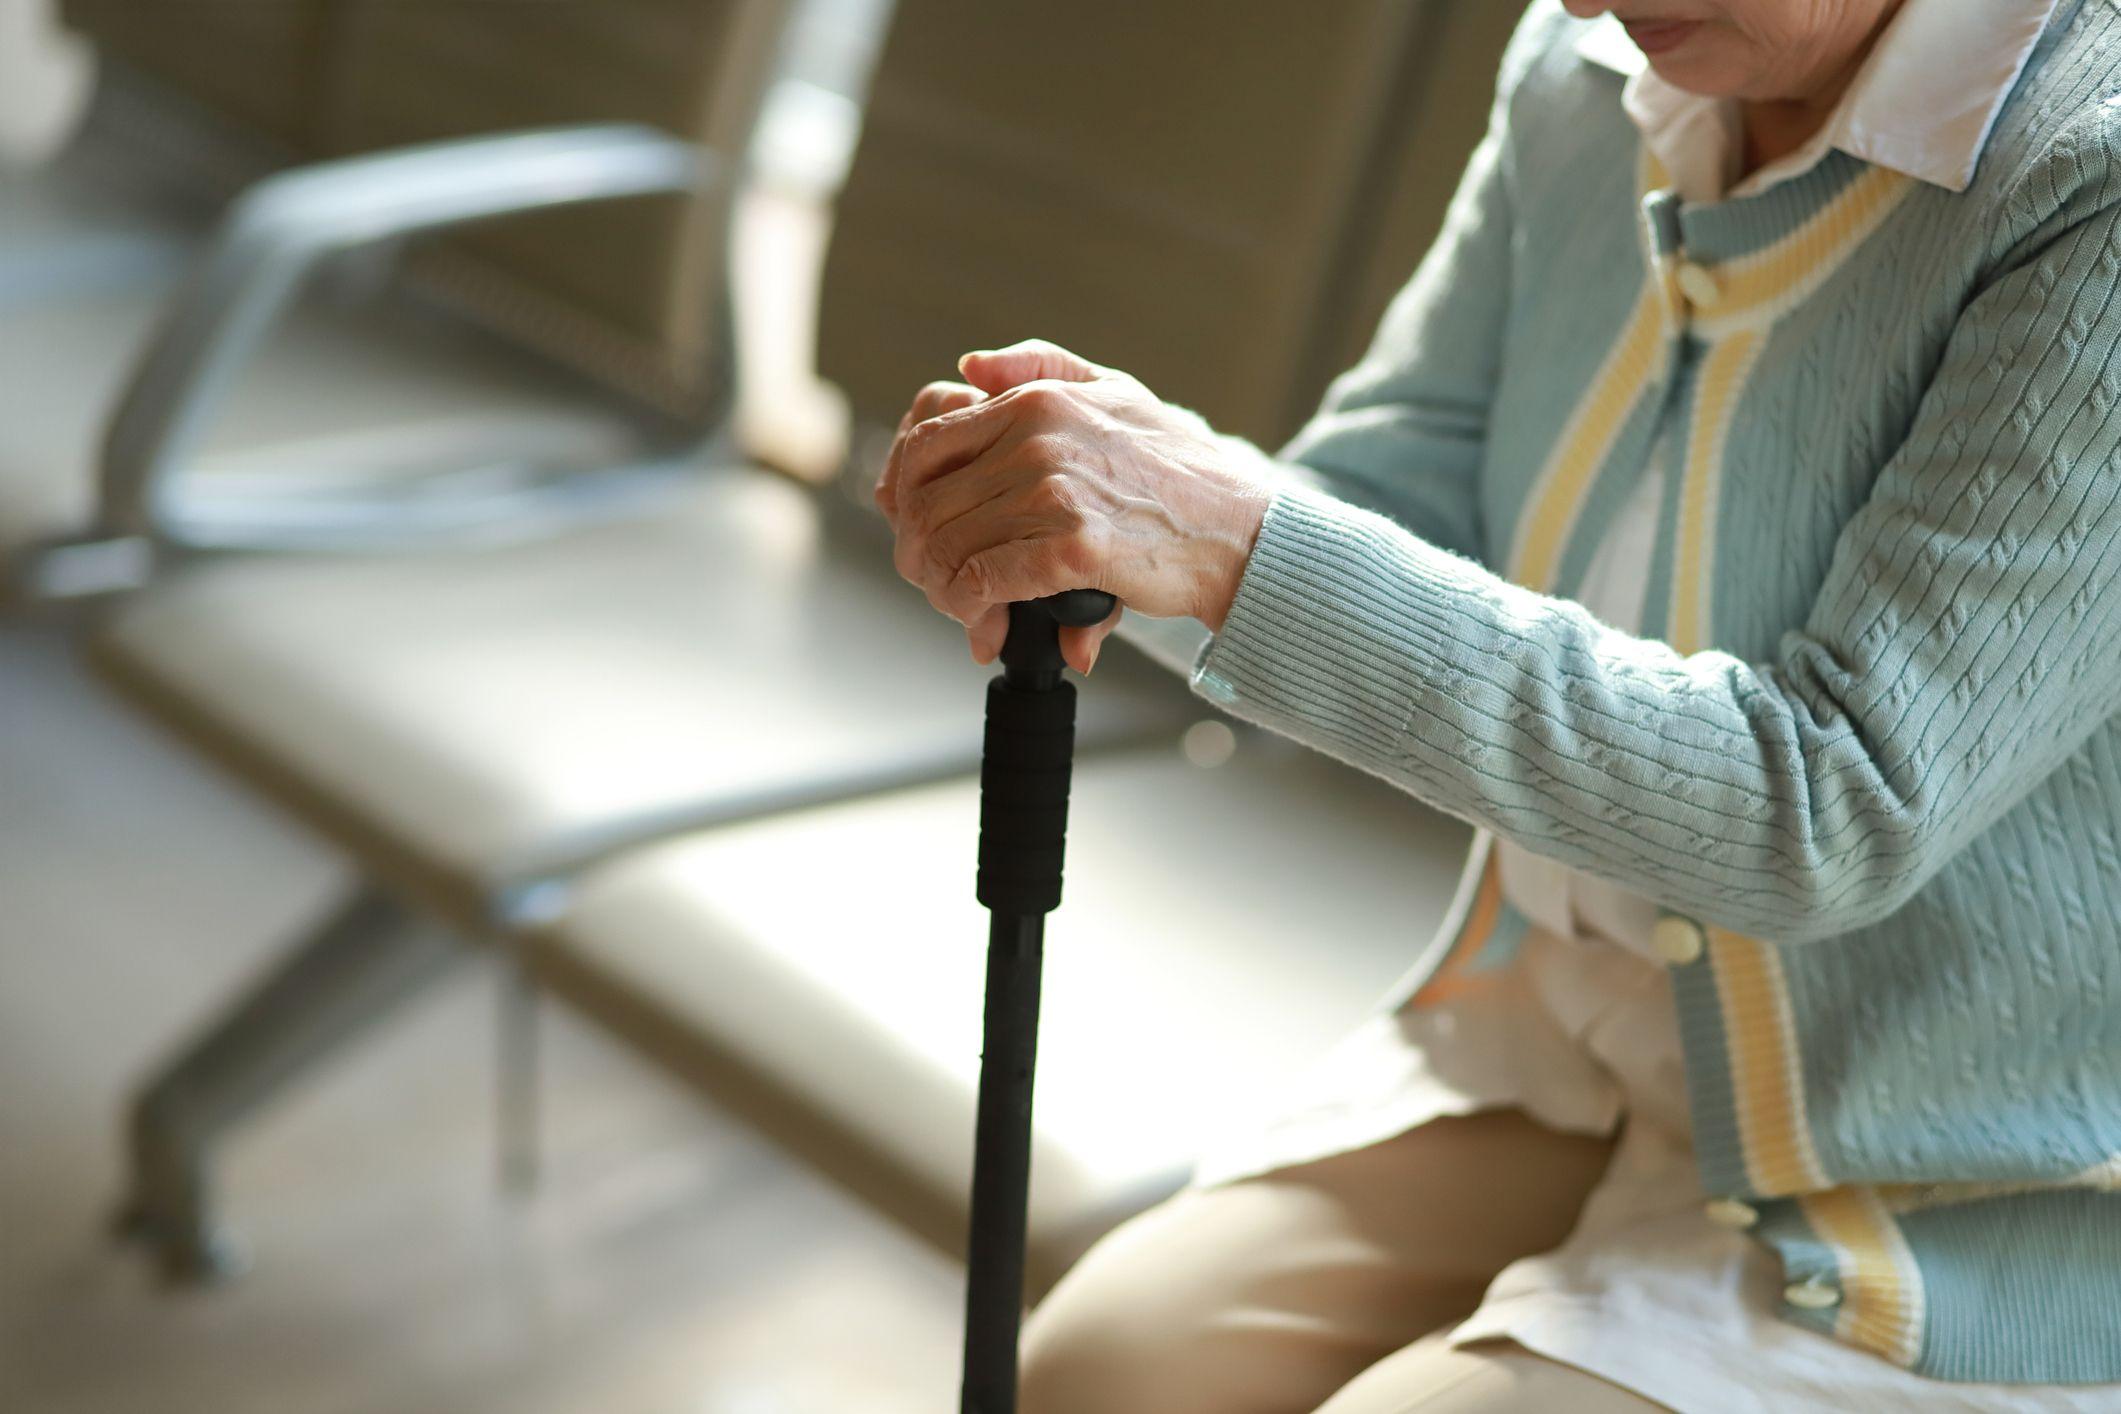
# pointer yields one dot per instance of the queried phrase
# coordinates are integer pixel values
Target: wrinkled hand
(1044, 472)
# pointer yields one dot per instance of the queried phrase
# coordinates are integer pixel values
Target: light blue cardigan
(1868, 749)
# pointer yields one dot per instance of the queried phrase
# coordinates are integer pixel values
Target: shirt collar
(1923, 103)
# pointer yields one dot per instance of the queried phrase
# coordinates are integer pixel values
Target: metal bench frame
(273, 241)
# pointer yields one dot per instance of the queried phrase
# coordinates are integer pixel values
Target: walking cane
(1023, 825)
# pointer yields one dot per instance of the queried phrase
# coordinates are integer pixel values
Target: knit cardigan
(1867, 749)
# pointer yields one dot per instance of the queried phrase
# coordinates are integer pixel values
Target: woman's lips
(1656, 36)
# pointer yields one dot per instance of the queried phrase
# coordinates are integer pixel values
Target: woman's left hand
(1049, 472)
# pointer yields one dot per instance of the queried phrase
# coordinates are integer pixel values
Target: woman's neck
(1776, 127)
(1775, 130)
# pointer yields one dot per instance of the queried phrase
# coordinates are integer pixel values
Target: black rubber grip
(1023, 818)
(1080, 608)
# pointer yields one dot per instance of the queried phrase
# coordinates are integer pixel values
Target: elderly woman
(1725, 521)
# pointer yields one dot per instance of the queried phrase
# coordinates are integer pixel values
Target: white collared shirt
(1922, 103)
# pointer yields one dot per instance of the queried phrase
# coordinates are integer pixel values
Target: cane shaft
(1001, 1168)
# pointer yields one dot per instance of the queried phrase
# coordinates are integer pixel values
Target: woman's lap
(1488, 1377)
(1269, 1295)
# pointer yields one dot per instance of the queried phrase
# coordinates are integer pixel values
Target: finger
(885, 492)
(988, 633)
(1021, 564)
(1012, 468)
(939, 398)
(998, 370)
(943, 558)
(932, 401)
(932, 521)
(946, 442)
(1080, 645)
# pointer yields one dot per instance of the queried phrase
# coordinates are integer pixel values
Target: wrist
(1234, 552)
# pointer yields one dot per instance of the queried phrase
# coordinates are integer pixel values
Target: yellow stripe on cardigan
(1564, 483)
(1587, 438)
(1766, 1072)
(1759, 288)
(1881, 1288)
(1760, 1038)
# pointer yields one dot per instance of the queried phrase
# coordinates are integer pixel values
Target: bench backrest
(627, 292)
(1217, 197)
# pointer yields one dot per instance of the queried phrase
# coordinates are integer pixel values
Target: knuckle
(916, 505)
(975, 578)
(922, 437)
(1047, 498)
(935, 398)
(1074, 556)
(1040, 397)
(940, 561)
(1056, 500)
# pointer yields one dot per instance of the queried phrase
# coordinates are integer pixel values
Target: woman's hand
(1044, 472)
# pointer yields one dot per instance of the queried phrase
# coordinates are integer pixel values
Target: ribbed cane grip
(1023, 821)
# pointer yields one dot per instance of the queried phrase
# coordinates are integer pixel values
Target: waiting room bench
(475, 725)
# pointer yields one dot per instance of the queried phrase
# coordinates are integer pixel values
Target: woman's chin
(1697, 68)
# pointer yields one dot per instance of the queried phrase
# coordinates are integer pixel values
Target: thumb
(998, 370)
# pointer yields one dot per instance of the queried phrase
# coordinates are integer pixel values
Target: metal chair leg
(334, 985)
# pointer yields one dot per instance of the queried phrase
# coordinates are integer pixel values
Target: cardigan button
(1812, 1294)
(1699, 286)
(1677, 940)
(1731, 1213)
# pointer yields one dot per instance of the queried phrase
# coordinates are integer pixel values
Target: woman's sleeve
(1966, 640)
(1403, 431)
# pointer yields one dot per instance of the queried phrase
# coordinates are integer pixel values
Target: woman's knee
(1083, 1353)
(1150, 1321)
(1190, 1307)
(1118, 1334)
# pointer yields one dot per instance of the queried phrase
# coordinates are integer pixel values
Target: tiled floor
(669, 1261)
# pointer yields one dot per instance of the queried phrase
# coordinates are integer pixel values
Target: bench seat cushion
(459, 718)
(822, 973)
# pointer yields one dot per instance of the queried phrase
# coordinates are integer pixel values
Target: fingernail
(1095, 649)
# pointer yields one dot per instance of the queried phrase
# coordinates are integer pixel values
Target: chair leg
(352, 971)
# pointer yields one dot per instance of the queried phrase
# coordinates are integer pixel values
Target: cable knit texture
(1870, 747)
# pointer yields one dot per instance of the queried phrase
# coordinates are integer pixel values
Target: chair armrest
(280, 230)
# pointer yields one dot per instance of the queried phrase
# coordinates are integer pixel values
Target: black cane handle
(1029, 747)
(1031, 654)
(1079, 608)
